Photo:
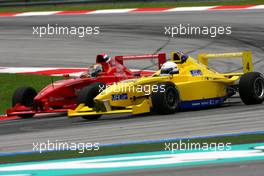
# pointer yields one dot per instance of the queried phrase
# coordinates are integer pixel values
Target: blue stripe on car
(201, 103)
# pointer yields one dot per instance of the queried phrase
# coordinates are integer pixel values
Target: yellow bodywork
(195, 81)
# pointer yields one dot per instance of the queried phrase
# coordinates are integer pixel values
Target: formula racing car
(63, 94)
(182, 83)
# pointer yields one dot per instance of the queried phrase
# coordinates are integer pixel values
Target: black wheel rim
(259, 87)
(171, 97)
(28, 101)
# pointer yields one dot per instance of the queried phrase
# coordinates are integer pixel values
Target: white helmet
(94, 70)
(169, 68)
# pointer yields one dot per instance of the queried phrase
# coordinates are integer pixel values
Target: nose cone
(53, 88)
(106, 94)
(120, 88)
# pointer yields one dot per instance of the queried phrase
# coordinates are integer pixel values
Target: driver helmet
(169, 68)
(103, 58)
(95, 70)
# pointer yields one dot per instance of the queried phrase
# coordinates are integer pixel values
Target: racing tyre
(251, 88)
(166, 99)
(87, 94)
(24, 96)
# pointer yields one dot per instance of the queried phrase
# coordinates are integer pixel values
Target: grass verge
(97, 6)
(10, 82)
(124, 149)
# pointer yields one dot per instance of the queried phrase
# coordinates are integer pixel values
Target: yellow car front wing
(83, 110)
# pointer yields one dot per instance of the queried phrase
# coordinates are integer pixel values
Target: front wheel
(86, 96)
(251, 88)
(24, 96)
(166, 99)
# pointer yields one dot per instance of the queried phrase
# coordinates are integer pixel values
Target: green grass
(124, 149)
(10, 82)
(119, 5)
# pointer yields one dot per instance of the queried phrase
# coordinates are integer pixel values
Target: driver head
(169, 68)
(95, 70)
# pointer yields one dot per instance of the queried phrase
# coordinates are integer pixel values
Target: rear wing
(161, 58)
(245, 55)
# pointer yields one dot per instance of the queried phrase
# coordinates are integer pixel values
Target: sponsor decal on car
(196, 72)
(116, 97)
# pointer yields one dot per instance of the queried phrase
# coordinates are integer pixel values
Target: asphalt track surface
(130, 34)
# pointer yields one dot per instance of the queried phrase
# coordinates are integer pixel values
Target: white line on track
(37, 13)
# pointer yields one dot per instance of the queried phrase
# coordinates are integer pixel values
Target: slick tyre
(24, 96)
(251, 88)
(87, 94)
(166, 99)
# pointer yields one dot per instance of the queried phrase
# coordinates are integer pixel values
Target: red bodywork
(61, 95)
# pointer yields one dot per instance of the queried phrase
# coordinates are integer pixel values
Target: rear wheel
(24, 96)
(166, 99)
(86, 96)
(251, 88)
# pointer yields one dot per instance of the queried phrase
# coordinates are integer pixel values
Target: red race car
(62, 95)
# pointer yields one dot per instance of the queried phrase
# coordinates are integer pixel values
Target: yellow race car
(193, 85)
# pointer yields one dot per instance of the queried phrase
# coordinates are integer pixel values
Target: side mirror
(137, 74)
(66, 76)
